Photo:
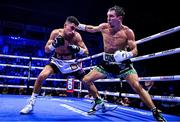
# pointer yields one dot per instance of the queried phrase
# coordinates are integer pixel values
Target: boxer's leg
(37, 87)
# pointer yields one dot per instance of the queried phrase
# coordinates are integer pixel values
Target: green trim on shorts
(101, 70)
(120, 75)
(123, 75)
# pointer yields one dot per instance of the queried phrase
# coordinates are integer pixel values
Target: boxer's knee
(45, 73)
(42, 76)
(137, 87)
(87, 80)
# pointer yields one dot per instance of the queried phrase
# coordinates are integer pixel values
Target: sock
(98, 97)
(34, 95)
(33, 98)
(98, 100)
(153, 109)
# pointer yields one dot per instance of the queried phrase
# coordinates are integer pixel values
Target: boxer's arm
(89, 28)
(131, 42)
(121, 55)
(54, 41)
(79, 46)
(50, 41)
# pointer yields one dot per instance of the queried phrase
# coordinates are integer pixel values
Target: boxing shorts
(65, 66)
(120, 70)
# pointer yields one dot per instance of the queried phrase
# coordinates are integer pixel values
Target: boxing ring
(68, 109)
(74, 109)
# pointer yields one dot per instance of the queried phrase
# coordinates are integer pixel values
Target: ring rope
(20, 66)
(21, 86)
(33, 78)
(90, 57)
(23, 57)
(154, 97)
(158, 54)
(34, 67)
(144, 57)
(155, 78)
(163, 33)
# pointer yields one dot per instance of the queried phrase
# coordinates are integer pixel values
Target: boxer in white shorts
(66, 43)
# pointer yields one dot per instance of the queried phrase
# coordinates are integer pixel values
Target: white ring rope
(154, 97)
(142, 79)
(34, 67)
(90, 57)
(21, 86)
(144, 57)
(33, 78)
(155, 78)
(20, 66)
(23, 57)
(158, 54)
(163, 33)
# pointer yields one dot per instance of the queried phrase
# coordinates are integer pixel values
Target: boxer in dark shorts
(117, 39)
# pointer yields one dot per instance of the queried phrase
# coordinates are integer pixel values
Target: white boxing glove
(121, 55)
(81, 27)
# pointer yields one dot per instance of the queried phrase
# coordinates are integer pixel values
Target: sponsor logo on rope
(70, 85)
(167, 77)
(167, 97)
(167, 31)
(151, 55)
(168, 51)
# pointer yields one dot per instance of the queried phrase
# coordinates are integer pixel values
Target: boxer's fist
(121, 55)
(58, 41)
(81, 27)
(74, 48)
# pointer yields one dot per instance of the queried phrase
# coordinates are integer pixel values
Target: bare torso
(63, 50)
(114, 41)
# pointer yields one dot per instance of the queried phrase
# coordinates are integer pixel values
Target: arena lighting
(15, 37)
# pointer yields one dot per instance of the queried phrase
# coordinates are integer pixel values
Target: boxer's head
(70, 25)
(115, 15)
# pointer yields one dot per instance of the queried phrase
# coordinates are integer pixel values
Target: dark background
(145, 18)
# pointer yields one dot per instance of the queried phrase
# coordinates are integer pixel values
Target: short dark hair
(119, 10)
(72, 19)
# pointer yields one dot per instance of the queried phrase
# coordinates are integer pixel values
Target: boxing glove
(75, 49)
(122, 55)
(58, 41)
(81, 27)
(118, 56)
